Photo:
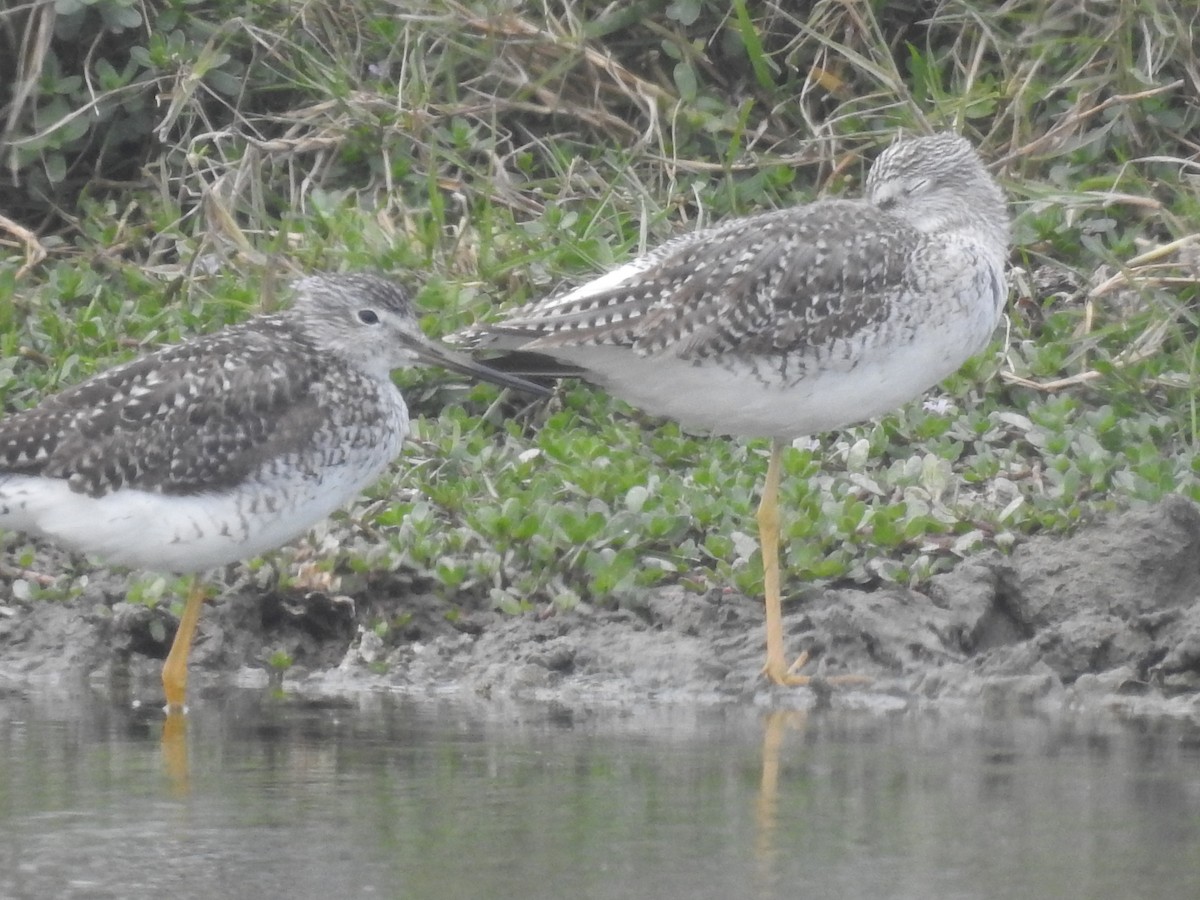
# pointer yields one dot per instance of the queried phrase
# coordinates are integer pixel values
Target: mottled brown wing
(783, 280)
(189, 418)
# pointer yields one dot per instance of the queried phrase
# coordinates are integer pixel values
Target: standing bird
(227, 445)
(793, 322)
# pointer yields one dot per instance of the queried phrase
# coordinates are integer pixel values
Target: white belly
(740, 397)
(187, 533)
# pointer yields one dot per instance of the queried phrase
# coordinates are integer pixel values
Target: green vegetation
(170, 164)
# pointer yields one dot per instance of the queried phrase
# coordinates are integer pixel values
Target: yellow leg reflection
(175, 669)
(767, 808)
(175, 753)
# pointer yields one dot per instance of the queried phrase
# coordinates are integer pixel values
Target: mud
(1108, 617)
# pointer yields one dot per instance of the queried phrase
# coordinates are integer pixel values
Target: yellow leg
(175, 753)
(777, 668)
(175, 669)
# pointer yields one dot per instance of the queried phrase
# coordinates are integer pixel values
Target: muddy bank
(1106, 618)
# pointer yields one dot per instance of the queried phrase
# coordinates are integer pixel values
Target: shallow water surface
(388, 797)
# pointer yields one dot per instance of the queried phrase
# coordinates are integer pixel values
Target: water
(386, 797)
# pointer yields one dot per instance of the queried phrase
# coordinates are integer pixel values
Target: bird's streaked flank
(227, 445)
(792, 322)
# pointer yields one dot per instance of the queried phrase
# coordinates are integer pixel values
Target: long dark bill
(434, 354)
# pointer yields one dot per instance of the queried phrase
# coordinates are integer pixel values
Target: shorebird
(225, 446)
(793, 322)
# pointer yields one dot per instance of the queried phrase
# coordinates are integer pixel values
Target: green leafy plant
(178, 161)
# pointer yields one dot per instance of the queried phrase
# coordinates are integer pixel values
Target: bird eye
(368, 317)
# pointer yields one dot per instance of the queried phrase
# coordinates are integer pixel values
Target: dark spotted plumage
(228, 444)
(793, 273)
(195, 417)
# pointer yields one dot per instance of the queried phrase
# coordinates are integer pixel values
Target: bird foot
(777, 674)
(787, 676)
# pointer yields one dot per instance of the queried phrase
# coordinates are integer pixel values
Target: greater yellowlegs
(793, 322)
(225, 446)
